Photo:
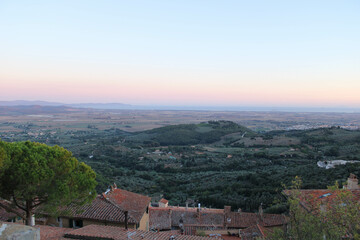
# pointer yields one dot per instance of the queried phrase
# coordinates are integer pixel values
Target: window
(73, 223)
(78, 223)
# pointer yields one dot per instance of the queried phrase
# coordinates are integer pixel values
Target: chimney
(227, 217)
(352, 182)
(198, 212)
(227, 210)
(181, 224)
(261, 213)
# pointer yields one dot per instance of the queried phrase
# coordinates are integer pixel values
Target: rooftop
(99, 209)
(134, 203)
(116, 233)
(167, 217)
(163, 200)
(8, 211)
(160, 218)
(245, 220)
(52, 233)
(254, 232)
(310, 198)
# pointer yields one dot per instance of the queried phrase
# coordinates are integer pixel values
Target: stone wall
(18, 232)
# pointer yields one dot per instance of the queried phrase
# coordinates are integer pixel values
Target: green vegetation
(35, 174)
(335, 219)
(190, 134)
(215, 163)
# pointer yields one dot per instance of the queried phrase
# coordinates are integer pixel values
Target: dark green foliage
(192, 134)
(333, 151)
(334, 219)
(252, 175)
(37, 174)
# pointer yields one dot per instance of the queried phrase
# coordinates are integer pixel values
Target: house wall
(15, 219)
(53, 222)
(163, 204)
(144, 222)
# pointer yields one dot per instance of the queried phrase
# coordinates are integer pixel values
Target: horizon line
(124, 106)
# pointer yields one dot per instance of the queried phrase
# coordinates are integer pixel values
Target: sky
(196, 52)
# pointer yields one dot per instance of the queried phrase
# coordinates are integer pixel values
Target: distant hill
(75, 105)
(327, 136)
(114, 106)
(34, 109)
(101, 105)
(29, 103)
(190, 134)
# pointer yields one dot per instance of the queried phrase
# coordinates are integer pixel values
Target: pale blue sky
(181, 52)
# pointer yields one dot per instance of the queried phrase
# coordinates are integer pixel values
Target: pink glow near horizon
(178, 93)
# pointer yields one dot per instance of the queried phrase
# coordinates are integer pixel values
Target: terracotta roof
(165, 218)
(99, 209)
(8, 211)
(245, 220)
(160, 218)
(254, 232)
(5, 215)
(52, 233)
(193, 217)
(116, 233)
(134, 203)
(163, 200)
(312, 197)
(213, 218)
(193, 229)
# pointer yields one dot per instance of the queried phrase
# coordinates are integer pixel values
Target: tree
(36, 174)
(337, 218)
(3, 157)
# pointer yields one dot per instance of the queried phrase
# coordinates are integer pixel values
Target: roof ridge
(113, 191)
(117, 206)
(260, 229)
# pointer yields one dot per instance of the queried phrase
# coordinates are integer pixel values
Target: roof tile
(134, 203)
(99, 209)
(116, 233)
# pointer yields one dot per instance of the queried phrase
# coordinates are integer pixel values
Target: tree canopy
(335, 219)
(35, 174)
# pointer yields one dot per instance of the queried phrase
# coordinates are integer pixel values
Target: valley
(241, 159)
